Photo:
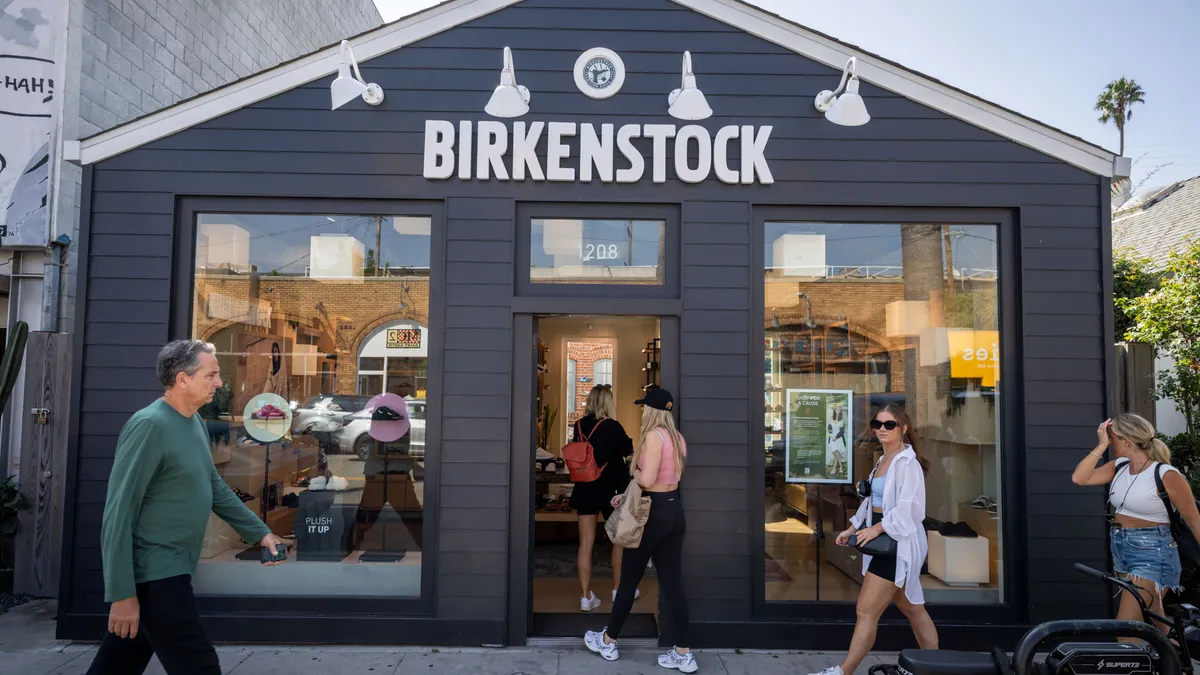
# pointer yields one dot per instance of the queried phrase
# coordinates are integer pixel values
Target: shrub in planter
(11, 503)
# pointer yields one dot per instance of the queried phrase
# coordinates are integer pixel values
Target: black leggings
(169, 628)
(662, 541)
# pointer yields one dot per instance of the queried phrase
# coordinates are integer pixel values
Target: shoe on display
(983, 502)
(268, 412)
(589, 603)
(684, 663)
(317, 484)
(386, 414)
(595, 642)
(637, 593)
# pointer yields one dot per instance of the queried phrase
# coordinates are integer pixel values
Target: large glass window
(317, 320)
(578, 251)
(857, 316)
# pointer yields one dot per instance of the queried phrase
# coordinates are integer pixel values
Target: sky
(1047, 59)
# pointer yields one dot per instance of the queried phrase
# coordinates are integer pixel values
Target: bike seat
(938, 662)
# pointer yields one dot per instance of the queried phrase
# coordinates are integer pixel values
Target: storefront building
(489, 255)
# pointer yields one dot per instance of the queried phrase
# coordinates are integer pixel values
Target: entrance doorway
(574, 354)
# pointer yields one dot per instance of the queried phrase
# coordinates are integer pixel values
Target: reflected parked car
(353, 436)
(326, 412)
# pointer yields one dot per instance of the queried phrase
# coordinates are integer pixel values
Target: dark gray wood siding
(909, 155)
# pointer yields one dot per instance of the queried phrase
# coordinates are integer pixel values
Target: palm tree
(1115, 104)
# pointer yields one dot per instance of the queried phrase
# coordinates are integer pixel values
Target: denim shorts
(1148, 553)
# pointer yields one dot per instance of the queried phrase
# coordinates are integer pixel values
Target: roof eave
(770, 27)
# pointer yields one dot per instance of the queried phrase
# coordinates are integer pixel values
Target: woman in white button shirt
(1140, 542)
(896, 507)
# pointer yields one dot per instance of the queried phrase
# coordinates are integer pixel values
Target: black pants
(662, 541)
(170, 628)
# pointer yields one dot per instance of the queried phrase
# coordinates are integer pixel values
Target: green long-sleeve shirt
(162, 488)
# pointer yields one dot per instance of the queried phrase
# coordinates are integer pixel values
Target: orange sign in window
(975, 355)
(403, 338)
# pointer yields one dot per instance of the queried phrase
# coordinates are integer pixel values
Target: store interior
(574, 354)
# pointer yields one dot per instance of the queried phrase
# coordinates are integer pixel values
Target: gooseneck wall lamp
(848, 109)
(509, 99)
(346, 88)
(688, 102)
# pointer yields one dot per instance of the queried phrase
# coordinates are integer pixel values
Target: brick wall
(342, 314)
(143, 55)
(585, 355)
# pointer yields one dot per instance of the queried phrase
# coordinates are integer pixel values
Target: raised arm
(1087, 472)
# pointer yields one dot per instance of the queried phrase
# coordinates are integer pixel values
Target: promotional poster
(26, 111)
(817, 433)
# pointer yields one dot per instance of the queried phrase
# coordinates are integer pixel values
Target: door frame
(521, 477)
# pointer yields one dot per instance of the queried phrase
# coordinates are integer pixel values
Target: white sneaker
(637, 593)
(595, 642)
(590, 603)
(684, 663)
(832, 670)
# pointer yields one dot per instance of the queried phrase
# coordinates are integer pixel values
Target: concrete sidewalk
(28, 647)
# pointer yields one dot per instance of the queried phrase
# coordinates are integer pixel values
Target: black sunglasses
(889, 425)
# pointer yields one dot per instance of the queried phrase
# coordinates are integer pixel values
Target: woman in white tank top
(1140, 542)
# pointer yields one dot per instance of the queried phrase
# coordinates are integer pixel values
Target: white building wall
(1169, 421)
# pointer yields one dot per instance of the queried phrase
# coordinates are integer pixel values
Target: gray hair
(181, 356)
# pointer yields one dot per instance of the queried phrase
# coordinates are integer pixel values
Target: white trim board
(736, 13)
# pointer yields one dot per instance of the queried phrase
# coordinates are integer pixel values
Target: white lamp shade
(849, 110)
(508, 101)
(345, 88)
(689, 104)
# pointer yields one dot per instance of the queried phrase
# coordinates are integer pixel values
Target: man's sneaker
(637, 593)
(589, 603)
(595, 642)
(684, 663)
(832, 670)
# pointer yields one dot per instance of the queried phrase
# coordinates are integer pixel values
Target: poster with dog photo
(817, 436)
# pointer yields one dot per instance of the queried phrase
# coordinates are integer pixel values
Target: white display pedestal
(959, 561)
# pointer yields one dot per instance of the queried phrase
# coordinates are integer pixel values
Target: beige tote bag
(628, 520)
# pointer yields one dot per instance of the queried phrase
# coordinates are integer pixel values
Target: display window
(321, 324)
(857, 316)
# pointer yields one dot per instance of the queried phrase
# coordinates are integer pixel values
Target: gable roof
(736, 13)
(1160, 223)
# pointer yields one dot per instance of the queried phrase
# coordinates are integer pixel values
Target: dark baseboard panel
(335, 630)
(826, 635)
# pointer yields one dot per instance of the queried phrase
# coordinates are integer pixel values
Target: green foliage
(1115, 104)
(1185, 456)
(1132, 278)
(975, 309)
(1168, 317)
(11, 502)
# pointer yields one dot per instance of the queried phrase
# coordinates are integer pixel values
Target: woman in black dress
(611, 447)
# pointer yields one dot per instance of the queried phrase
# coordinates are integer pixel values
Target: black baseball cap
(658, 398)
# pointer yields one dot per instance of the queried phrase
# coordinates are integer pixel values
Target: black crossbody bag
(1189, 548)
(883, 546)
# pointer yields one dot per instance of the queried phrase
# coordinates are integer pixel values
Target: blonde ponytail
(1159, 452)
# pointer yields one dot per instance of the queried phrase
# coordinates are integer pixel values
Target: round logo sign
(599, 73)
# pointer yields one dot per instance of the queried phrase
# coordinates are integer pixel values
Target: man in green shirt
(162, 487)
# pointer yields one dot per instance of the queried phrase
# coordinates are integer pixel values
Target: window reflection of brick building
(587, 356)
(319, 324)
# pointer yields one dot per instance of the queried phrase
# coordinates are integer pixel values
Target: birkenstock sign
(491, 150)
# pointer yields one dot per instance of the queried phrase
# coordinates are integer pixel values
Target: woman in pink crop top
(659, 458)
